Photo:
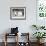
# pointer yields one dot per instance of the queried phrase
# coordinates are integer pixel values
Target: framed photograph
(17, 13)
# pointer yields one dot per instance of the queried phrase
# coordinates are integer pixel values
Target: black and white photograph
(17, 13)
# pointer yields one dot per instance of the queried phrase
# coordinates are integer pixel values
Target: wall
(24, 25)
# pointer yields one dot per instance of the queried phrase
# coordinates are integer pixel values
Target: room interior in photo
(23, 23)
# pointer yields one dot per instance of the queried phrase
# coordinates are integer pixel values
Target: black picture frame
(17, 13)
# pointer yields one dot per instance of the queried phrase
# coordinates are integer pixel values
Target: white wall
(24, 25)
